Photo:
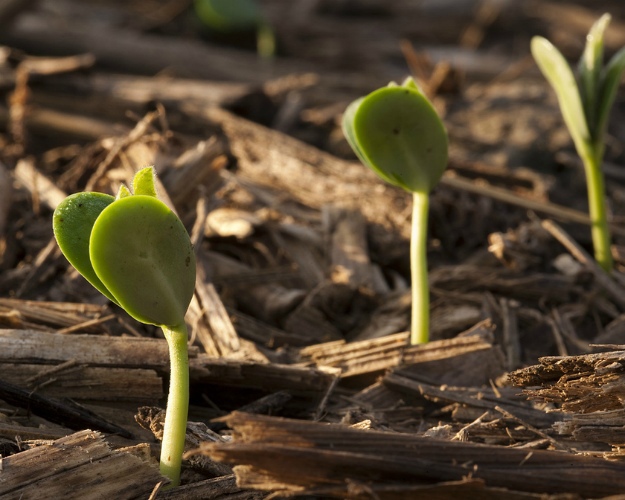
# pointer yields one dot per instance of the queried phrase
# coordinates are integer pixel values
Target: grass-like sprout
(397, 133)
(137, 252)
(585, 104)
(237, 16)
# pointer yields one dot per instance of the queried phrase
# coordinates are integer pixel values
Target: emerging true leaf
(397, 133)
(142, 253)
(143, 182)
(72, 223)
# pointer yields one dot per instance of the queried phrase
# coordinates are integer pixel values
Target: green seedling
(237, 16)
(585, 104)
(136, 251)
(396, 132)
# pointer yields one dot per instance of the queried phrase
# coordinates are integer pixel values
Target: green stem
(597, 209)
(175, 430)
(420, 324)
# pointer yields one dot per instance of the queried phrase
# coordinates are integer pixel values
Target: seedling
(585, 104)
(237, 16)
(396, 132)
(136, 251)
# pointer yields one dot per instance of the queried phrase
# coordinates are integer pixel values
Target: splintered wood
(467, 359)
(78, 466)
(589, 391)
(310, 458)
(124, 359)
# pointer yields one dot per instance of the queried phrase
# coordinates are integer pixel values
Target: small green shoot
(396, 132)
(237, 16)
(585, 104)
(136, 251)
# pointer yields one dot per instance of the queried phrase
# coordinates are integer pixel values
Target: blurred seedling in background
(136, 251)
(396, 132)
(236, 18)
(585, 104)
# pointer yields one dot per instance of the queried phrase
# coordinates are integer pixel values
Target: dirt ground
(303, 384)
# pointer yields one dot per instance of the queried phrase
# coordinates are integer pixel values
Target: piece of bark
(309, 384)
(253, 329)
(42, 189)
(27, 346)
(304, 250)
(50, 314)
(440, 360)
(223, 334)
(199, 167)
(219, 488)
(349, 255)
(82, 382)
(449, 318)
(521, 286)
(66, 413)
(467, 489)
(390, 317)
(469, 396)
(328, 310)
(596, 427)
(276, 453)
(79, 466)
(580, 384)
(269, 302)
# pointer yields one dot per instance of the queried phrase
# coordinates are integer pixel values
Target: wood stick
(617, 292)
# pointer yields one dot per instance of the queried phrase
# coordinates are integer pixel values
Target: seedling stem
(419, 331)
(600, 231)
(175, 428)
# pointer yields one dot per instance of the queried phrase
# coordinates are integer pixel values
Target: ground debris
(275, 453)
(587, 391)
(80, 466)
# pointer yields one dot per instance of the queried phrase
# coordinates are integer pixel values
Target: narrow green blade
(590, 65)
(558, 73)
(610, 81)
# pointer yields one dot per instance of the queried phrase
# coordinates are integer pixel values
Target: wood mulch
(302, 382)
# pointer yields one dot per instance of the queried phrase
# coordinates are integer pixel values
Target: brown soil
(303, 385)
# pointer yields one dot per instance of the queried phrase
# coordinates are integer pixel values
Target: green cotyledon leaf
(399, 135)
(72, 223)
(141, 251)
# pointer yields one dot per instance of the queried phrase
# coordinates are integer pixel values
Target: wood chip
(291, 455)
(79, 466)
